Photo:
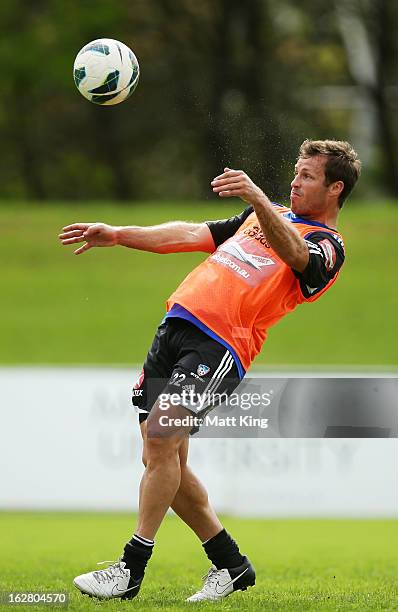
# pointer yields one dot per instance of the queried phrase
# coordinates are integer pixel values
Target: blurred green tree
(222, 83)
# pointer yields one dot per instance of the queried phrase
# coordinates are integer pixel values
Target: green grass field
(103, 306)
(301, 564)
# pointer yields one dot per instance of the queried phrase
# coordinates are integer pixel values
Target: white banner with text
(69, 440)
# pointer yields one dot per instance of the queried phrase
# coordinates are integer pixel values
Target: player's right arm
(174, 237)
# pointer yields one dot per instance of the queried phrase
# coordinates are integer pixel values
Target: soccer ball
(106, 71)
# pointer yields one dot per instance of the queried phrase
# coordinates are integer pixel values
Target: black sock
(223, 551)
(136, 555)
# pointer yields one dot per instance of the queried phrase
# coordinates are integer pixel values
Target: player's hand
(236, 183)
(92, 234)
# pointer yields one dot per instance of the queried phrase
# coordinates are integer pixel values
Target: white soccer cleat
(114, 581)
(221, 583)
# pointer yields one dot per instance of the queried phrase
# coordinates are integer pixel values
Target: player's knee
(144, 459)
(159, 449)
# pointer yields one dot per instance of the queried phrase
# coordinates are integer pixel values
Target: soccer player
(262, 264)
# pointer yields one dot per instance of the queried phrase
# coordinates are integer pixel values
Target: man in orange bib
(262, 264)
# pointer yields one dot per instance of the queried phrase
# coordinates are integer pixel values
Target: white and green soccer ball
(106, 71)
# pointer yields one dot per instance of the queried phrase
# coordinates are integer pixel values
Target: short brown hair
(343, 163)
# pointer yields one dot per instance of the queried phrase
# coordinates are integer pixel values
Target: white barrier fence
(69, 440)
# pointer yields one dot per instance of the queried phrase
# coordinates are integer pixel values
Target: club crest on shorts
(202, 369)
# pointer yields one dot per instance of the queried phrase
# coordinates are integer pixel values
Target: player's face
(309, 194)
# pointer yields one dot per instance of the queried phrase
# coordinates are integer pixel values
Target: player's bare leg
(162, 476)
(191, 502)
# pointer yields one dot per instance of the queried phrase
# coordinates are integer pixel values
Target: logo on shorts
(202, 369)
(188, 388)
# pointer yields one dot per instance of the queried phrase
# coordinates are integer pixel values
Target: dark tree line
(223, 82)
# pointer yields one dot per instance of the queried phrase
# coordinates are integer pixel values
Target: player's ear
(336, 188)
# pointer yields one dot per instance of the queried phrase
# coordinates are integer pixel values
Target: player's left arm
(282, 236)
(326, 256)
